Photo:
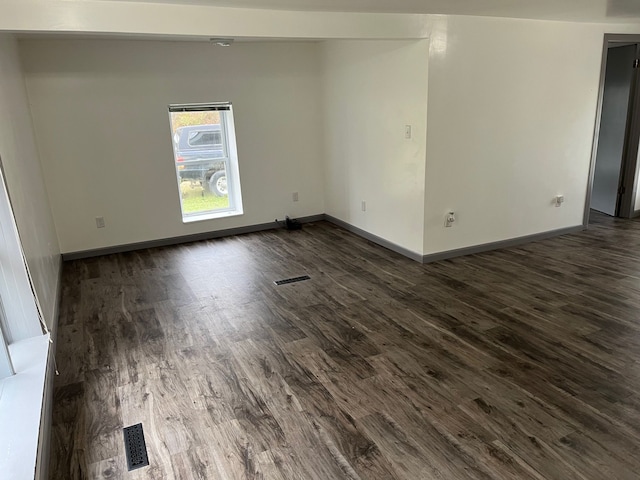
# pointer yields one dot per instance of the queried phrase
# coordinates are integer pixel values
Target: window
(24, 353)
(206, 160)
(19, 315)
(6, 367)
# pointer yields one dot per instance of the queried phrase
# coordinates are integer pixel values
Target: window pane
(202, 162)
(6, 368)
(200, 196)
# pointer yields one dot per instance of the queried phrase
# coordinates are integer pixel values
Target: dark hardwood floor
(521, 363)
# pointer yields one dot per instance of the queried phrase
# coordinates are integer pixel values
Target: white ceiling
(570, 10)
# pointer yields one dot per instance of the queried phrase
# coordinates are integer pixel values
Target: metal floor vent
(292, 280)
(135, 447)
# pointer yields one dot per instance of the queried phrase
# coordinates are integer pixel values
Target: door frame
(629, 170)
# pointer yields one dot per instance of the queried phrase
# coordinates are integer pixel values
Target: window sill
(21, 407)
(212, 216)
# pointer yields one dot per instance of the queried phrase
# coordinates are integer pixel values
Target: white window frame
(230, 160)
(24, 352)
(6, 366)
(19, 315)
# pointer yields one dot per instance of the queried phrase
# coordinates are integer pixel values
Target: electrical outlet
(364, 206)
(449, 219)
(558, 200)
(100, 222)
(407, 132)
(295, 196)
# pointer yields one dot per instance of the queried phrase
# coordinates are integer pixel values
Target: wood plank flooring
(522, 363)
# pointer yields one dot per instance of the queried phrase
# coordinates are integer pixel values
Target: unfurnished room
(319, 239)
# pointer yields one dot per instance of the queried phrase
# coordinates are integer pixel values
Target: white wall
(372, 89)
(25, 180)
(162, 18)
(511, 112)
(100, 112)
(512, 106)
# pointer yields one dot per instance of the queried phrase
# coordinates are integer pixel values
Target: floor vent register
(135, 447)
(292, 280)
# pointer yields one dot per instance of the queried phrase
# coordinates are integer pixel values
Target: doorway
(613, 184)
